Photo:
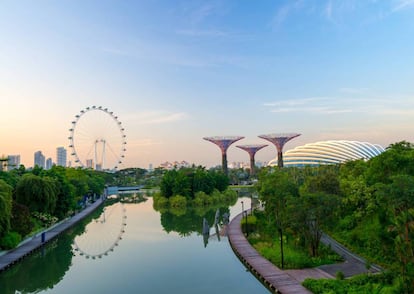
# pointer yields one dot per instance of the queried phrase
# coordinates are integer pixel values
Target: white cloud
(403, 106)
(350, 90)
(156, 117)
(202, 33)
(283, 12)
(403, 4)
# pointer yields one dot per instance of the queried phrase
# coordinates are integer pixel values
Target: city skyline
(174, 73)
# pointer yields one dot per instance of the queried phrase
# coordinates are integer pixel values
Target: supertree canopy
(279, 140)
(252, 149)
(224, 143)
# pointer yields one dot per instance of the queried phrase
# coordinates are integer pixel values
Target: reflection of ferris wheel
(97, 139)
(103, 234)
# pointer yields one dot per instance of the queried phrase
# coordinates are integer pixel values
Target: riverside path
(28, 246)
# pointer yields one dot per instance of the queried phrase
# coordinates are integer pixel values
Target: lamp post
(242, 209)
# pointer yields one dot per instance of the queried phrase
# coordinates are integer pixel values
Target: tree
(275, 188)
(37, 193)
(20, 221)
(309, 214)
(5, 207)
(65, 191)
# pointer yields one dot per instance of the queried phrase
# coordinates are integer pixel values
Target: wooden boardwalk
(272, 277)
(29, 246)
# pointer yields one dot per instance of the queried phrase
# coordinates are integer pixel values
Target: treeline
(367, 205)
(194, 185)
(32, 199)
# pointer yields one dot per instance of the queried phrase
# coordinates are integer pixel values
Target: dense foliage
(32, 199)
(187, 182)
(367, 205)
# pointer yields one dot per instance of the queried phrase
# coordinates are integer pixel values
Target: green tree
(65, 191)
(37, 193)
(310, 214)
(275, 188)
(5, 207)
(21, 221)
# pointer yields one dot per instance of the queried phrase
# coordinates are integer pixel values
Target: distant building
(150, 168)
(13, 162)
(49, 163)
(61, 154)
(172, 165)
(39, 159)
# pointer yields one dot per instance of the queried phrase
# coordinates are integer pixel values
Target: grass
(381, 284)
(295, 257)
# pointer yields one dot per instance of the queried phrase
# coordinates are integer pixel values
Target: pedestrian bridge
(119, 189)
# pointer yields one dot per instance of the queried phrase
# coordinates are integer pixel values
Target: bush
(160, 202)
(251, 224)
(340, 275)
(10, 240)
(178, 201)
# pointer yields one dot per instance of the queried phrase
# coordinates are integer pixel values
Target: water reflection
(145, 255)
(102, 234)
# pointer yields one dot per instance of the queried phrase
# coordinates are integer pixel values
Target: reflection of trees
(47, 266)
(189, 222)
(40, 271)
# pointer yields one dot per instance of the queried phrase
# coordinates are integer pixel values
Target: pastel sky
(176, 71)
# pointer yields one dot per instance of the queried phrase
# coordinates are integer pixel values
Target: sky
(174, 72)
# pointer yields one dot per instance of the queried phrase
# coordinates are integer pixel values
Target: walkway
(353, 264)
(289, 281)
(274, 278)
(35, 242)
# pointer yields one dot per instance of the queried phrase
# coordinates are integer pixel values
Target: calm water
(131, 248)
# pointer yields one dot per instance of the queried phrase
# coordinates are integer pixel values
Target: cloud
(157, 117)
(202, 33)
(403, 4)
(284, 12)
(143, 142)
(328, 10)
(403, 106)
(350, 90)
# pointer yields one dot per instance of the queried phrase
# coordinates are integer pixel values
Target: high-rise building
(13, 162)
(39, 159)
(61, 156)
(49, 163)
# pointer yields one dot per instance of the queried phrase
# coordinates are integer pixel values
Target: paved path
(30, 245)
(289, 281)
(271, 276)
(353, 264)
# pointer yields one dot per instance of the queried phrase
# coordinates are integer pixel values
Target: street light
(242, 210)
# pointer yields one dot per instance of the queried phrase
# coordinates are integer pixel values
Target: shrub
(178, 201)
(340, 275)
(160, 202)
(10, 240)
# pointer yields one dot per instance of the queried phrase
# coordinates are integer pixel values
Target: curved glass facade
(329, 152)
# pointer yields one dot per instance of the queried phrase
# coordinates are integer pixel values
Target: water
(131, 248)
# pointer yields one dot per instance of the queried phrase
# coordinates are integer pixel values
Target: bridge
(119, 189)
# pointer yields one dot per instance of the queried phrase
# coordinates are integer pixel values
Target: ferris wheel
(102, 235)
(97, 139)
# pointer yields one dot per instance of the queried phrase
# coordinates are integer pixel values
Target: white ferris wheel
(97, 139)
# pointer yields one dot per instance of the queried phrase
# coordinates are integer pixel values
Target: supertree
(279, 140)
(224, 143)
(252, 149)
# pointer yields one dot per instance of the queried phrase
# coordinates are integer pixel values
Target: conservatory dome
(329, 152)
